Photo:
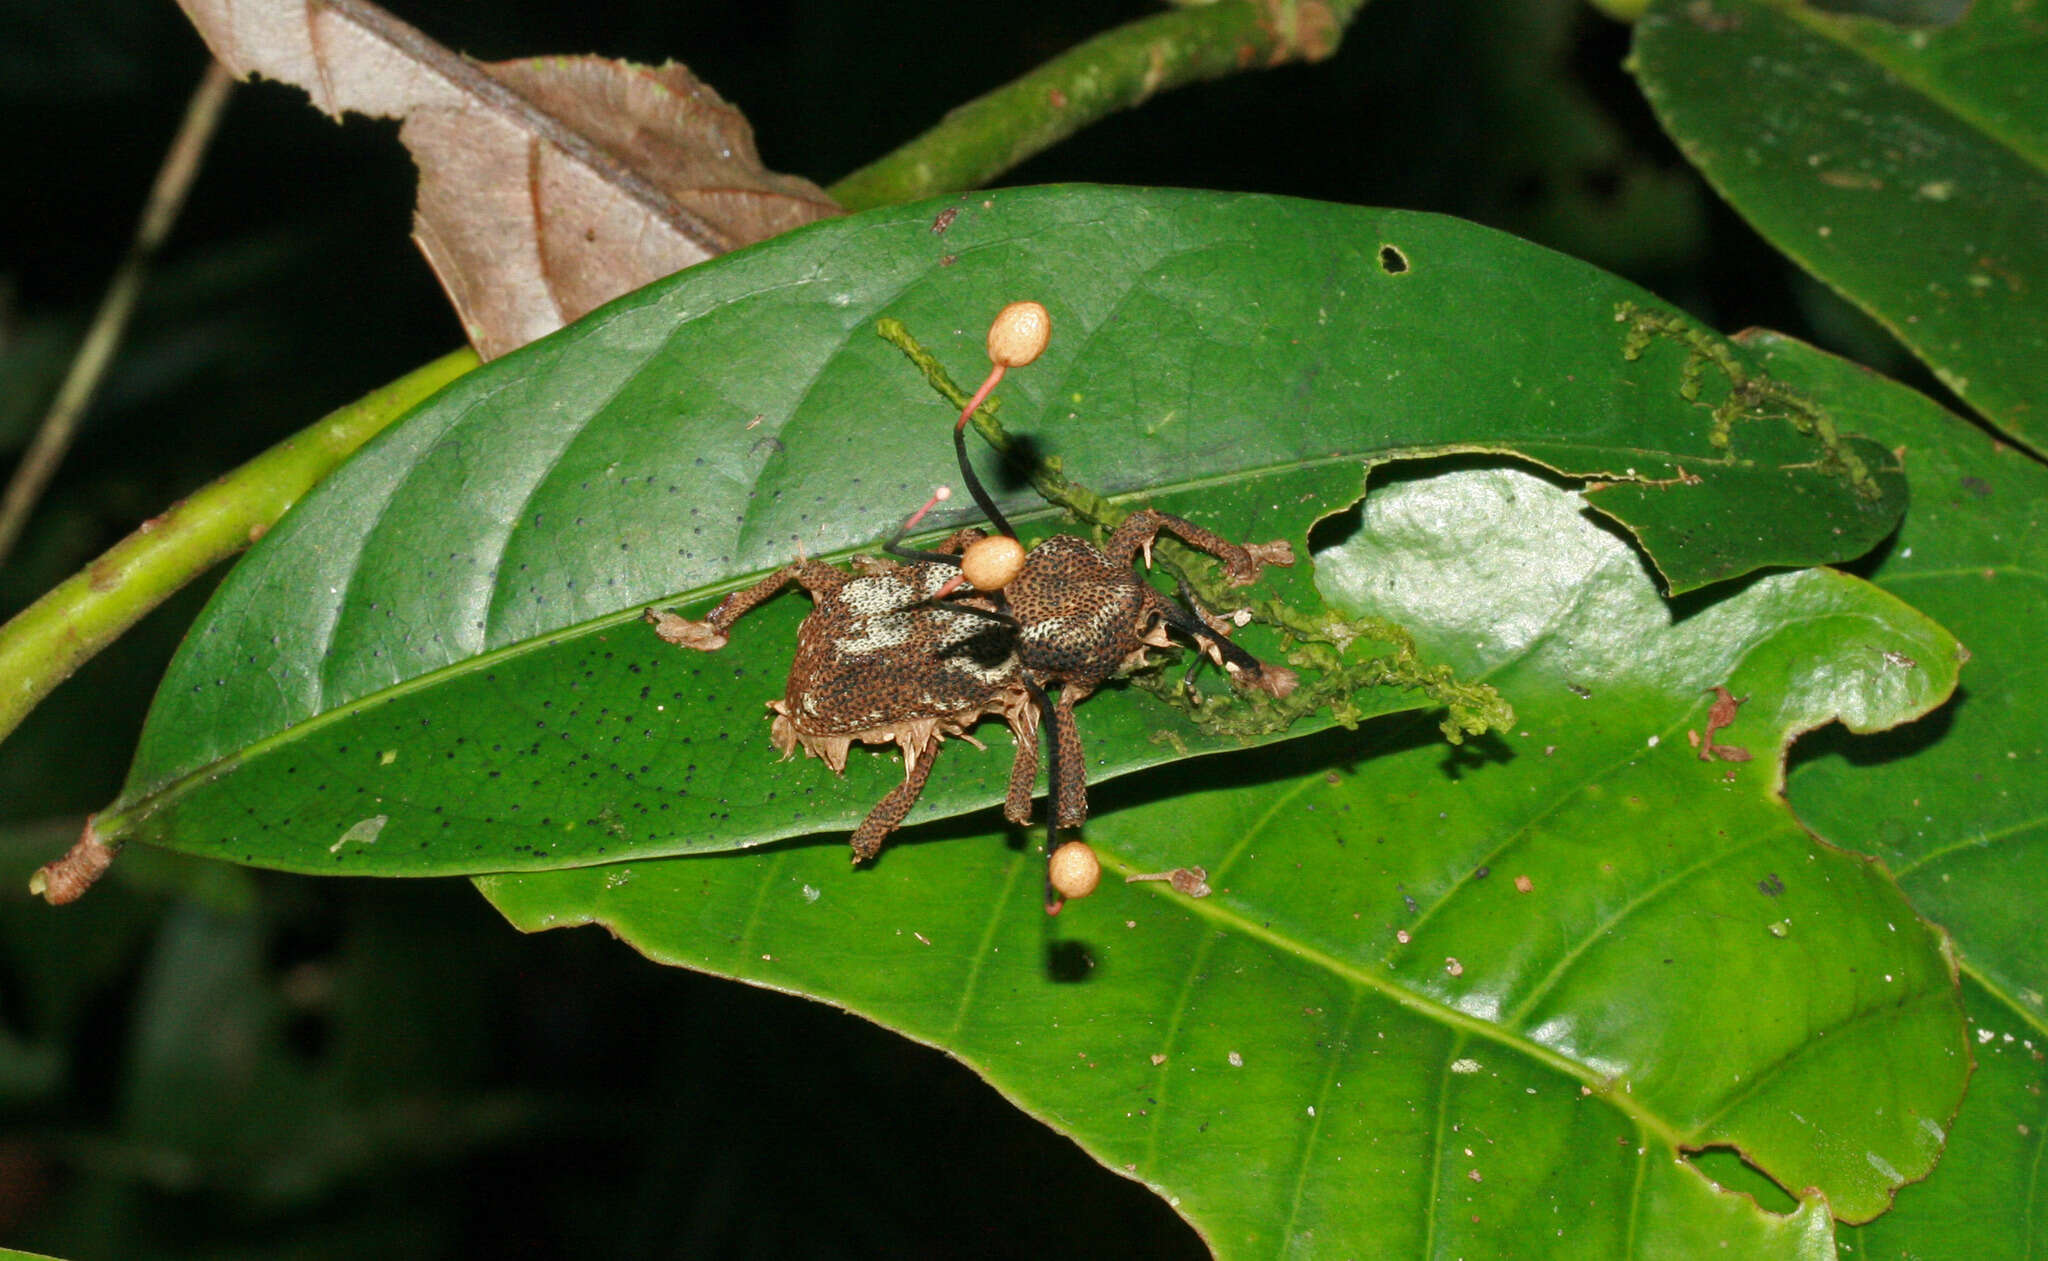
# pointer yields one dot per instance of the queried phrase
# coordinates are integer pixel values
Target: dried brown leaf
(547, 186)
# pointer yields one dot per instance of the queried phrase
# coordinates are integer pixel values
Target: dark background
(206, 1062)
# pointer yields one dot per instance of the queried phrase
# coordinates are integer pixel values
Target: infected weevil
(913, 650)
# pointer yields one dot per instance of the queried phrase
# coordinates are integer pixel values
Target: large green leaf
(1986, 1198)
(1440, 1004)
(1906, 167)
(434, 664)
(1959, 811)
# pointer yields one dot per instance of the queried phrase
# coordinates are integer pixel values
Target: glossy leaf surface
(1439, 1003)
(434, 665)
(1906, 167)
(1984, 1199)
(1958, 807)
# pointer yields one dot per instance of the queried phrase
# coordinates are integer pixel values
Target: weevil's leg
(956, 542)
(894, 547)
(711, 634)
(890, 810)
(1047, 722)
(1025, 726)
(1070, 793)
(1241, 563)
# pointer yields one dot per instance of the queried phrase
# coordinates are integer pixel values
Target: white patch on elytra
(877, 594)
(874, 599)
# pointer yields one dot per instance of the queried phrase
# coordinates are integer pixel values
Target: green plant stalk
(45, 642)
(1113, 71)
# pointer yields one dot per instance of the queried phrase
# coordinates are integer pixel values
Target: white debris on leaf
(362, 833)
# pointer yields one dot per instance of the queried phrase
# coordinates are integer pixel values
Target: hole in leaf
(1336, 529)
(1726, 1169)
(1392, 260)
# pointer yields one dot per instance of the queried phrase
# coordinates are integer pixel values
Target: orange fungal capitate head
(1019, 334)
(991, 563)
(1075, 871)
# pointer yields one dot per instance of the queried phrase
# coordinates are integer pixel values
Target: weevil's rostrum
(911, 652)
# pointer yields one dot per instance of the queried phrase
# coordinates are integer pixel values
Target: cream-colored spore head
(1019, 334)
(991, 563)
(1075, 871)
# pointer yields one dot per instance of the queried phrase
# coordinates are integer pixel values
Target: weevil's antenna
(1187, 623)
(1016, 337)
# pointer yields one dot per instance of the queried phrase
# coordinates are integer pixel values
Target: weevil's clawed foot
(685, 633)
(1278, 682)
(1257, 555)
(1279, 552)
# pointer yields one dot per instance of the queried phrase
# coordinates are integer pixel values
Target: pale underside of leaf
(547, 186)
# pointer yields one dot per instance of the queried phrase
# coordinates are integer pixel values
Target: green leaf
(1441, 1002)
(1958, 811)
(1958, 807)
(1984, 1200)
(435, 665)
(1906, 167)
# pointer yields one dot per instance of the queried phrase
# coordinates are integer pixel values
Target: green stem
(1114, 71)
(49, 639)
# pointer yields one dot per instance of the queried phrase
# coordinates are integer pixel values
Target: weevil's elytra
(919, 649)
(879, 662)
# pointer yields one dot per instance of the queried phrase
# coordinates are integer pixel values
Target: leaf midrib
(115, 819)
(1226, 917)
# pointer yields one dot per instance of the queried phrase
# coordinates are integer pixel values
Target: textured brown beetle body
(1085, 616)
(879, 661)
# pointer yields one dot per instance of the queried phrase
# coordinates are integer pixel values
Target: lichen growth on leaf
(1751, 396)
